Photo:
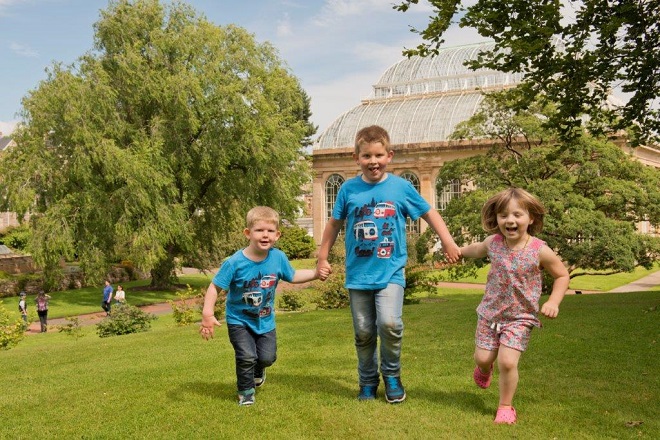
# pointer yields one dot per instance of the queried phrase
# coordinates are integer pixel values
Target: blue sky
(337, 48)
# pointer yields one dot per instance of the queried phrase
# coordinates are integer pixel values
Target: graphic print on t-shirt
(372, 230)
(258, 292)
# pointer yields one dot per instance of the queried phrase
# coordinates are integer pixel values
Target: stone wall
(17, 264)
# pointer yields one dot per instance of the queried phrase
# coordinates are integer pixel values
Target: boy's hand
(452, 252)
(550, 310)
(208, 326)
(323, 269)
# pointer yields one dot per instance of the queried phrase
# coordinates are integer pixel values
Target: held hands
(452, 252)
(323, 269)
(207, 328)
(550, 310)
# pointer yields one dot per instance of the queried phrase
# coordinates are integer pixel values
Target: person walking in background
(509, 309)
(247, 281)
(120, 295)
(107, 298)
(375, 206)
(42, 310)
(22, 307)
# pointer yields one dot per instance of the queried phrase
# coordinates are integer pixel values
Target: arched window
(449, 191)
(332, 186)
(412, 227)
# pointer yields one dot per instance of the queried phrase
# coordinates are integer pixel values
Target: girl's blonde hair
(370, 135)
(499, 202)
(262, 213)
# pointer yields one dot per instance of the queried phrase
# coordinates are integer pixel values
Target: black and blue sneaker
(259, 377)
(367, 392)
(246, 399)
(394, 392)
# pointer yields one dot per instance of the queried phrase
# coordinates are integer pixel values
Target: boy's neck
(255, 254)
(378, 181)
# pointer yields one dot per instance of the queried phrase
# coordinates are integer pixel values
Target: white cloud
(23, 50)
(284, 26)
(335, 10)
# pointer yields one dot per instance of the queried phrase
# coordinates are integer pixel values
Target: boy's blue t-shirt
(251, 288)
(375, 241)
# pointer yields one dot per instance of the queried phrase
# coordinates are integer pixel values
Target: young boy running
(375, 206)
(247, 280)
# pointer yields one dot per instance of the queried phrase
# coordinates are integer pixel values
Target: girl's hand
(550, 310)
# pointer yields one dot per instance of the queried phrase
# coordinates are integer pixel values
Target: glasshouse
(419, 101)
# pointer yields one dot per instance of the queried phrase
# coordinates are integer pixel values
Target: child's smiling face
(513, 222)
(372, 160)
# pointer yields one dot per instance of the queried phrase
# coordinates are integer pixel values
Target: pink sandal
(506, 416)
(483, 380)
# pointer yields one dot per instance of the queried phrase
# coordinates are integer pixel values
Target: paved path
(642, 284)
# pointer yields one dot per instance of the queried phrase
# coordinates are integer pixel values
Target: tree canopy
(572, 53)
(154, 144)
(595, 193)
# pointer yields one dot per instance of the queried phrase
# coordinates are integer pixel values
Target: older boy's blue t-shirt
(375, 240)
(251, 288)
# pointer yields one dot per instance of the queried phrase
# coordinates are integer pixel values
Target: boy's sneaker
(259, 377)
(367, 392)
(246, 399)
(394, 392)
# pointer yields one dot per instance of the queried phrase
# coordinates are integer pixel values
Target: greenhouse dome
(420, 99)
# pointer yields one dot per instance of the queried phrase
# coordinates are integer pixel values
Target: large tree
(153, 145)
(572, 52)
(594, 192)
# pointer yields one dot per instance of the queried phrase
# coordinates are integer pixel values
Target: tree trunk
(163, 276)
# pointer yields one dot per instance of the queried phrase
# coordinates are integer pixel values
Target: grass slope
(590, 374)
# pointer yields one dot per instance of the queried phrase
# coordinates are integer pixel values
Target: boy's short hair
(372, 134)
(262, 213)
(500, 201)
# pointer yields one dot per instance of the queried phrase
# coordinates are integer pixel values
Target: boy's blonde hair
(372, 134)
(499, 202)
(262, 213)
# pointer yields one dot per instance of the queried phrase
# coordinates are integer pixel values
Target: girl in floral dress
(509, 309)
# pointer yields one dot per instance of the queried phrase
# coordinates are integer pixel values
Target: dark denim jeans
(252, 352)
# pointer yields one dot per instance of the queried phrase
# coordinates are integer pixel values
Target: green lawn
(589, 374)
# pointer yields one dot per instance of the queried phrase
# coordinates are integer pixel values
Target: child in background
(510, 306)
(247, 280)
(22, 307)
(375, 206)
(120, 295)
(42, 310)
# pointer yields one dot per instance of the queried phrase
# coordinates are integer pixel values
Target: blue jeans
(377, 313)
(251, 351)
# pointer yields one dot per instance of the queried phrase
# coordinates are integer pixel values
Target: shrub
(124, 319)
(11, 331)
(72, 327)
(333, 293)
(296, 243)
(291, 300)
(187, 307)
(16, 237)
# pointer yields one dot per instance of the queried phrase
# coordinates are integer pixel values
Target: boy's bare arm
(449, 247)
(330, 234)
(304, 275)
(209, 320)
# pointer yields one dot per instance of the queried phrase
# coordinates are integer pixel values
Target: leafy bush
(291, 300)
(11, 331)
(333, 293)
(187, 307)
(296, 243)
(16, 237)
(123, 320)
(72, 327)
